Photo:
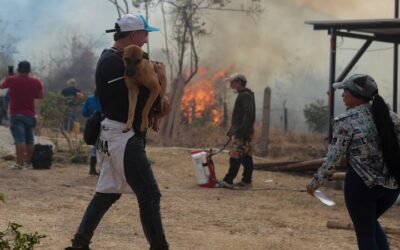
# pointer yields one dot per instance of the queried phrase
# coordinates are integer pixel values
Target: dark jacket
(243, 115)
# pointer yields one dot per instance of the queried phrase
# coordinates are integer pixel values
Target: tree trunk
(168, 129)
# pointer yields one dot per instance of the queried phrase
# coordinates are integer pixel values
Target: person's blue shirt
(92, 104)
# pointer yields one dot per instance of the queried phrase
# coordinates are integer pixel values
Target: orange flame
(200, 96)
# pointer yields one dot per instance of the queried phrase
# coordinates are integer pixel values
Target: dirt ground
(272, 215)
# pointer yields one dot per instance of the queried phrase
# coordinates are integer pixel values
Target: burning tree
(204, 99)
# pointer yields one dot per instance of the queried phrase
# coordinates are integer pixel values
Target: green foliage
(52, 109)
(13, 239)
(317, 116)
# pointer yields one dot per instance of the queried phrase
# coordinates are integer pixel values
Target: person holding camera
(23, 90)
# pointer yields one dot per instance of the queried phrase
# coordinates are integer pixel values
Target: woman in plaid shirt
(366, 137)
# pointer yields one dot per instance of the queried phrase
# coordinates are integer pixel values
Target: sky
(277, 49)
(41, 23)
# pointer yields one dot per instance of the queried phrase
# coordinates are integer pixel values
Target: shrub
(317, 116)
(13, 239)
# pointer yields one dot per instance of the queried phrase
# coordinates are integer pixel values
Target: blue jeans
(70, 117)
(92, 152)
(365, 206)
(140, 177)
(3, 110)
(21, 127)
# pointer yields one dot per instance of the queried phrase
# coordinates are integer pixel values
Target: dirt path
(52, 203)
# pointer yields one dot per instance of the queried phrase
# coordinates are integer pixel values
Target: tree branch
(119, 8)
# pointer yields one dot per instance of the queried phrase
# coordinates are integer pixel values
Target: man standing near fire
(241, 131)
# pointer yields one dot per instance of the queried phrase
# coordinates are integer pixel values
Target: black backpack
(42, 156)
(92, 128)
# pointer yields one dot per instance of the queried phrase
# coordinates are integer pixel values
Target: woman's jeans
(365, 206)
(141, 179)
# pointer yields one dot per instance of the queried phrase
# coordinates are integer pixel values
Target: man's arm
(85, 109)
(40, 94)
(79, 95)
(3, 84)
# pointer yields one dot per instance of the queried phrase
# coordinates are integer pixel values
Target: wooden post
(264, 139)
(285, 117)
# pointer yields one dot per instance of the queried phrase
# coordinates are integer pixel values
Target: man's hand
(80, 95)
(310, 190)
(159, 67)
(165, 108)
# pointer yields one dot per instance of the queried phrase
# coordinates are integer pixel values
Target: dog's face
(133, 56)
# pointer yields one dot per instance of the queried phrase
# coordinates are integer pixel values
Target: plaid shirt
(355, 142)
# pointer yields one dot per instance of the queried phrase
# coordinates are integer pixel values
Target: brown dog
(139, 70)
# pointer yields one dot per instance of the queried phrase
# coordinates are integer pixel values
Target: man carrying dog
(122, 157)
(242, 130)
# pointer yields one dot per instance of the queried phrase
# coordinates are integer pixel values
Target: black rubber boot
(93, 162)
(77, 248)
(234, 165)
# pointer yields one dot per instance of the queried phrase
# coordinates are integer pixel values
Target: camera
(10, 70)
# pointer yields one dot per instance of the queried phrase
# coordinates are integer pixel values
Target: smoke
(41, 26)
(277, 50)
(280, 51)
(350, 9)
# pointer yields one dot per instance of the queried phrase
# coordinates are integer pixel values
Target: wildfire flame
(201, 94)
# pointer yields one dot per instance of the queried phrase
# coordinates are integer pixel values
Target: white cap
(237, 76)
(132, 22)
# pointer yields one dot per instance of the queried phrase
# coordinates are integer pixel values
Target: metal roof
(383, 30)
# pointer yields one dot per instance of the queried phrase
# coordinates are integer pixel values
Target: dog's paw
(144, 125)
(126, 129)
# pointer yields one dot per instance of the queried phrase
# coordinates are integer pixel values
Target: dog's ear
(127, 60)
(130, 66)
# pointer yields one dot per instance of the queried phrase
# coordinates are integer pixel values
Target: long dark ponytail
(388, 136)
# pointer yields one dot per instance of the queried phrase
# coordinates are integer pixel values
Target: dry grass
(282, 146)
(273, 215)
(266, 217)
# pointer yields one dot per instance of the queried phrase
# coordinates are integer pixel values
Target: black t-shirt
(70, 91)
(112, 91)
(70, 95)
